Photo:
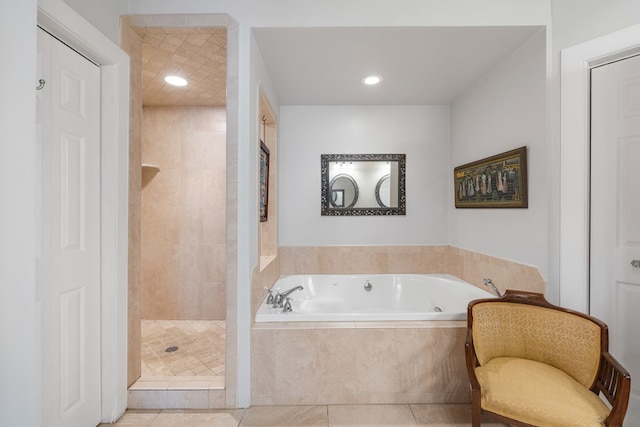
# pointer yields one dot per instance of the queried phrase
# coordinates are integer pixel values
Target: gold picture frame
(498, 181)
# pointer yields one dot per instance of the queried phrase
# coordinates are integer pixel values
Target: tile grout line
(418, 424)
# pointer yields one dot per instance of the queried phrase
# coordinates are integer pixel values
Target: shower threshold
(178, 393)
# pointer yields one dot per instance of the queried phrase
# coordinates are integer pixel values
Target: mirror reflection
(383, 192)
(363, 184)
(343, 191)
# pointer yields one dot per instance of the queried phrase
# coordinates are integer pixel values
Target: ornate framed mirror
(363, 184)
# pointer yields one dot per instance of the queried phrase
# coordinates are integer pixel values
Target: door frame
(577, 62)
(59, 19)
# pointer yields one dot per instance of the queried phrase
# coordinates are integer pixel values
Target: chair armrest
(614, 382)
(472, 360)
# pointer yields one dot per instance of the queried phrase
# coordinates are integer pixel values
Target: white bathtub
(391, 297)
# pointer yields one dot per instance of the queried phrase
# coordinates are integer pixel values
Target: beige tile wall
(473, 267)
(358, 363)
(467, 265)
(184, 230)
(132, 44)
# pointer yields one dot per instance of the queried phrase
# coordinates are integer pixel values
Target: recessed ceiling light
(371, 80)
(175, 81)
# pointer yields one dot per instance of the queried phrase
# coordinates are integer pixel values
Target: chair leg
(476, 419)
(476, 410)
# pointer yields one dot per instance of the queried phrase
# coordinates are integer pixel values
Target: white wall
(574, 22)
(104, 15)
(18, 381)
(504, 111)
(420, 132)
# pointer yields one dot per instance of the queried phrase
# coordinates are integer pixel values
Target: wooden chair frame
(612, 380)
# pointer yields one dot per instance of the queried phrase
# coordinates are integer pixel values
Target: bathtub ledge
(399, 324)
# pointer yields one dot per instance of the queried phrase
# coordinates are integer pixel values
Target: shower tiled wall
(184, 227)
(132, 44)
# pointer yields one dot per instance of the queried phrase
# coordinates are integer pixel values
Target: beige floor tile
(135, 418)
(449, 415)
(446, 415)
(417, 415)
(201, 347)
(285, 416)
(197, 418)
(370, 416)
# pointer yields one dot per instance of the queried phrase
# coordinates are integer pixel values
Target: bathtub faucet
(278, 300)
(488, 282)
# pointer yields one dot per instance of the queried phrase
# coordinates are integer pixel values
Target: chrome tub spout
(489, 283)
(280, 297)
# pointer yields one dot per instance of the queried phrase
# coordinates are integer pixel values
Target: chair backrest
(530, 327)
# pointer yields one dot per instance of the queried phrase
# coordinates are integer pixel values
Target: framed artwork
(498, 181)
(264, 181)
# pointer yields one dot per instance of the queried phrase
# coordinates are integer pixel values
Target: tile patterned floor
(422, 415)
(200, 348)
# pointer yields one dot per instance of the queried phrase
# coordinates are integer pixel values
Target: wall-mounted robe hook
(42, 83)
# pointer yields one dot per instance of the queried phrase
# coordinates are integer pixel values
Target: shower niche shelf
(151, 168)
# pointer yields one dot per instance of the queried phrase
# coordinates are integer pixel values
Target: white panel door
(615, 214)
(68, 265)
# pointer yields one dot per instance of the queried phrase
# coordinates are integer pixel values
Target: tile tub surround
(359, 363)
(467, 265)
(370, 362)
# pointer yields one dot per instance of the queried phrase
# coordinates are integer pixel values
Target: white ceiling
(419, 65)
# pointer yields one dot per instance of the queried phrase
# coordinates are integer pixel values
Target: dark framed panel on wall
(498, 181)
(264, 181)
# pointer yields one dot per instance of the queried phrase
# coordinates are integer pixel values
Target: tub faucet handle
(277, 299)
(269, 296)
(287, 305)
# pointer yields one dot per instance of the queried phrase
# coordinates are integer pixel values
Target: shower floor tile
(183, 348)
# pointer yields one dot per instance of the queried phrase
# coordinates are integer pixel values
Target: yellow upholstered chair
(531, 363)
